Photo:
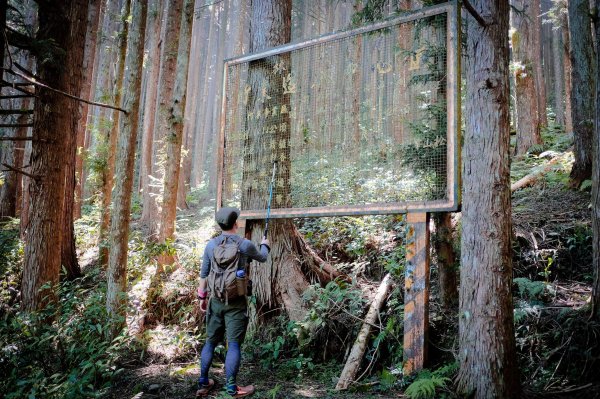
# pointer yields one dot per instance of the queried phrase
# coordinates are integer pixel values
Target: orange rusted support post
(416, 293)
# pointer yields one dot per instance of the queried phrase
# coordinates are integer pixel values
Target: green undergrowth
(62, 351)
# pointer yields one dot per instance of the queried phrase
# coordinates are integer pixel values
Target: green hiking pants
(227, 320)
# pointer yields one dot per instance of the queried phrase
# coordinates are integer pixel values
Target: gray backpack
(223, 268)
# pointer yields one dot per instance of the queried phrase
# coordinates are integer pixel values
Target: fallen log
(531, 178)
(358, 349)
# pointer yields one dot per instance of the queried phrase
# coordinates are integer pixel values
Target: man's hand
(266, 242)
(203, 305)
(203, 298)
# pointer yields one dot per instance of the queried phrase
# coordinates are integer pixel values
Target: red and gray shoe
(204, 390)
(243, 391)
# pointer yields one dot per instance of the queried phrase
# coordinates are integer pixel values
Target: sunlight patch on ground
(167, 342)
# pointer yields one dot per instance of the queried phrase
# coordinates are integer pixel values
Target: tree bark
(121, 201)
(149, 207)
(174, 133)
(538, 60)
(488, 367)
(94, 16)
(583, 75)
(68, 250)
(567, 71)
(109, 170)
(559, 77)
(596, 179)
(446, 257)
(53, 122)
(523, 17)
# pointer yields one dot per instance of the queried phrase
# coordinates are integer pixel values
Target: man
(226, 318)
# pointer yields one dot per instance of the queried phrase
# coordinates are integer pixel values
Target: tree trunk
(583, 75)
(523, 16)
(94, 16)
(282, 280)
(559, 77)
(11, 154)
(54, 118)
(149, 207)
(596, 180)
(567, 71)
(68, 250)
(174, 133)
(109, 170)
(446, 257)
(128, 128)
(488, 367)
(538, 59)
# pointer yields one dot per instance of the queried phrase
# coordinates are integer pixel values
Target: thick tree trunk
(174, 133)
(64, 23)
(596, 179)
(488, 367)
(109, 169)
(283, 279)
(68, 250)
(128, 128)
(583, 75)
(523, 16)
(94, 16)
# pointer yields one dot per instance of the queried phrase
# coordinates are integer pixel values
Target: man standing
(225, 318)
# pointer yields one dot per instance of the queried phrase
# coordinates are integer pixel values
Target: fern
(425, 386)
(530, 289)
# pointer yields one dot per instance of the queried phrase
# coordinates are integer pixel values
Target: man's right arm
(259, 255)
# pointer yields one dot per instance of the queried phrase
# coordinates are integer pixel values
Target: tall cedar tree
(149, 207)
(166, 84)
(109, 170)
(63, 23)
(89, 68)
(596, 179)
(121, 200)
(282, 280)
(168, 74)
(68, 253)
(174, 133)
(523, 18)
(488, 367)
(583, 78)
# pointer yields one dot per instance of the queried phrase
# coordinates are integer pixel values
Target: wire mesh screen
(347, 123)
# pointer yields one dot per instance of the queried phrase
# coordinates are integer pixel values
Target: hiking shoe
(243, 391)
(205, 389)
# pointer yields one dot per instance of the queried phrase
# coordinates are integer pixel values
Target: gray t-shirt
(248, 251)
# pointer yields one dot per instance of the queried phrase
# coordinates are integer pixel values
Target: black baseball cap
(226, 217)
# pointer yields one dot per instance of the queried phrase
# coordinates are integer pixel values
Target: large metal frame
(453, 122)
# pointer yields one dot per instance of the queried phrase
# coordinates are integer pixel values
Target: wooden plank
(416, 293)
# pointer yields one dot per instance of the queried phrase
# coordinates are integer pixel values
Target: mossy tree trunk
(583, 78)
